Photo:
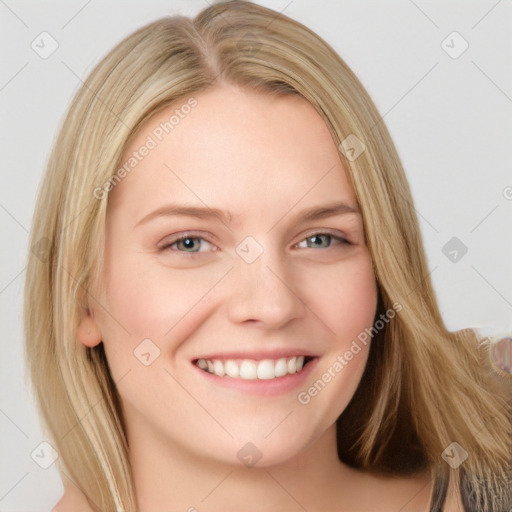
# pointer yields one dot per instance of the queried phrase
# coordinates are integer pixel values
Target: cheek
(345, 300)
(344, 296)
(146, 300)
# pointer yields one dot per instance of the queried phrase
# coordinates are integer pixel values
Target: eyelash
(191, 236)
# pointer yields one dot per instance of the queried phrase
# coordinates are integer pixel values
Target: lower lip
(262, 387)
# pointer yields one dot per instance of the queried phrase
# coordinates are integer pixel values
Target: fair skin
(266, 160)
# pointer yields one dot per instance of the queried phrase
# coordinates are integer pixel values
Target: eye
(186, 243)
(322, 241)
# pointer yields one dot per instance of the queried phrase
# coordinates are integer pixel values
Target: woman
(234, 310)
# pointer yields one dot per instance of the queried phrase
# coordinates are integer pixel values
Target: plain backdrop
(449, 112)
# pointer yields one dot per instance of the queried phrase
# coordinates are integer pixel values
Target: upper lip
(257, 354)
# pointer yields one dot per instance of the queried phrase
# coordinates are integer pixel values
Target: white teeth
(266, 369)
(218, 368)
(281, 368)
(249, 369)
(292, 365)
(232, 369)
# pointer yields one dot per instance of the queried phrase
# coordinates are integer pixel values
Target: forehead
(233, 147)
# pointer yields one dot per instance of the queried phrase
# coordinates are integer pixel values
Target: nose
(263, 291)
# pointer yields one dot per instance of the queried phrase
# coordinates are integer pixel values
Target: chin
(256, 451)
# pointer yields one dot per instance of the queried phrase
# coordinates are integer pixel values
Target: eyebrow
(206, 213)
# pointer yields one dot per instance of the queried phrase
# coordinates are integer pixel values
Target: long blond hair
(423, 387)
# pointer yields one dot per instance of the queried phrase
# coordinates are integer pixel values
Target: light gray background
(450, 119)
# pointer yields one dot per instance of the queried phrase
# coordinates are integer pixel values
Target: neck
(172, 478)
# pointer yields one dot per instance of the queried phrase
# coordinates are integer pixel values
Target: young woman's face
(279, 275)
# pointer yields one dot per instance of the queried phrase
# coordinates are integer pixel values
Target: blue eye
(321, 241)
(193, 244)
(188, 244)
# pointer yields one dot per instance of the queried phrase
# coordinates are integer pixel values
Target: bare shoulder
(72, 501)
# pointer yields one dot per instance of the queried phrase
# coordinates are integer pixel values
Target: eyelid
(183, 236)
(332, 232)
(190, 234)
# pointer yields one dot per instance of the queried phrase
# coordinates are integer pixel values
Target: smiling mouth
(250, 369)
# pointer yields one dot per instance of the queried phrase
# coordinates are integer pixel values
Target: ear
(88, 331)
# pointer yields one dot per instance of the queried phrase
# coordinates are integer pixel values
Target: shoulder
(72, 501)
